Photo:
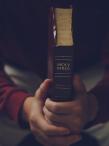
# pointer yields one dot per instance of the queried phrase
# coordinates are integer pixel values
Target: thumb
(78, 85)
(42, 90)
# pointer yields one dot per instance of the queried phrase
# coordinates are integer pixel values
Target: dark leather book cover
(60, 55)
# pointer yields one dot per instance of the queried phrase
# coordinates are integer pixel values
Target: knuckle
(50, 105)
(55, 108)
(48, 115)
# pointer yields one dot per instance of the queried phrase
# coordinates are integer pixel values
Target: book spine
(61, 63)
(62, 74)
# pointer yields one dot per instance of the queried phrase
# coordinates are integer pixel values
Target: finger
(52, 130)
(63, 108)
(42, 90)
(49, 129)
(64, 120)
(78, 85)
(55, 118)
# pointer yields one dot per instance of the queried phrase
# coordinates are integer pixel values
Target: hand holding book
(68, 105)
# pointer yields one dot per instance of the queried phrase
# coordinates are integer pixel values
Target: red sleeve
(101, 90)
(11, 97)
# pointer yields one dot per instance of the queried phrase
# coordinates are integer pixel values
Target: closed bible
(60, 53)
